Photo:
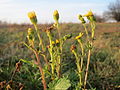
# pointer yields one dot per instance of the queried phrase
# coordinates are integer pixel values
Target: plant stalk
(51, 54)
(79, 68)
(86, 31)
(39, 37)
(82, 51)
(87, 68)
(59, 59)
(41, 70)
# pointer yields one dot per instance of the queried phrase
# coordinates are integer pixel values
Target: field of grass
(104, 68)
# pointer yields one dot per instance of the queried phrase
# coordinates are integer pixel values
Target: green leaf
(28, 62)
(59, 84)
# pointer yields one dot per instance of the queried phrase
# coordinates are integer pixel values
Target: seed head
(49, 29)
(18, 66)
(48, 46)
(73, 47)
(2, 84)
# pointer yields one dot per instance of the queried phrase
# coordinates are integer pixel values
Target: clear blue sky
(16, 10)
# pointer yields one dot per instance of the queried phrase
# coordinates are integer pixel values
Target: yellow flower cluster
(55, 42)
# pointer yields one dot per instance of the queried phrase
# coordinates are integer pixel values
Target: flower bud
(79, 36)
(57, 41)
(56, 16)
(81, 18)
(68, 36)
(30, 31)
(32, 17)
(30, 35)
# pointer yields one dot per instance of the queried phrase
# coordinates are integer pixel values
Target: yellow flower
(89, 14)
(57, 41)
(53, 43)
(32, 17)
(56, 16)
(79, 36)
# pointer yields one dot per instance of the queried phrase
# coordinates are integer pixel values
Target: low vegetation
(60, 56)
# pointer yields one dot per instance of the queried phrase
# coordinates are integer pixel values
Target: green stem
(51, 54)
(39, 37)
(28, 47)
(78, 67)
(59, 59)
(58, 30)
(58, 62)
(86, 31)
(93, 29)
(82, 51)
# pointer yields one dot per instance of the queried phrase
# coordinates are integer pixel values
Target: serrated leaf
(60, 84)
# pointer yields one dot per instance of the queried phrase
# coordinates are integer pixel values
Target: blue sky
(15, 11)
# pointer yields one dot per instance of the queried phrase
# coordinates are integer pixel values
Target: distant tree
(114, 10)
(99, 18)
